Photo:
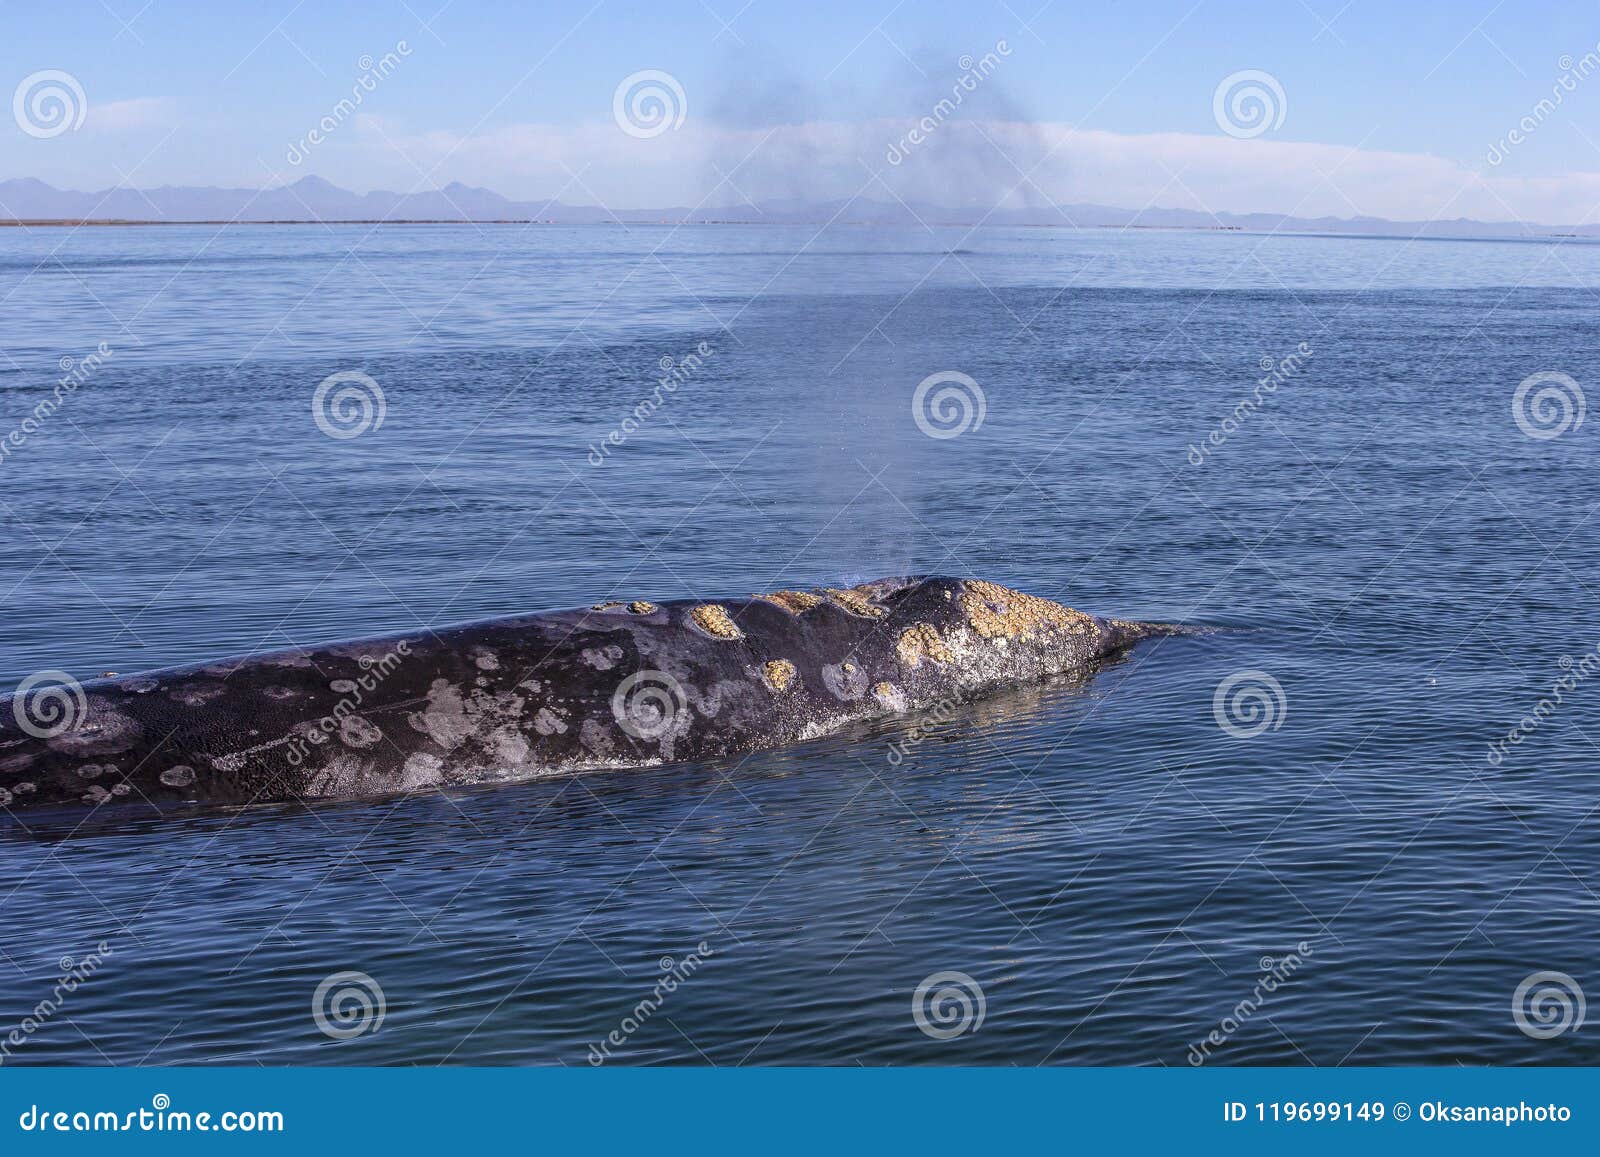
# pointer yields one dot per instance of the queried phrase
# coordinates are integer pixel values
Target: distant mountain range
(312, 199)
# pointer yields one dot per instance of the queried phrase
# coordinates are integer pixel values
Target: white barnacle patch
(458, 713)
(5, 798)
(602, 658)
(421, 770)
(197, 694)
(846, 680)
(547, 722)
(445, 720)
(138, 686)
(342, 776)
(103, 731)
(96, 770)
(235, 760)
(509, 746)
(120, 789)
(708, 703)
(342, 686)
(24, 788)
(485, 659)
(358, 732)
(96, 795)
(180, 775)
(596, 738)
(889, 697)
(277, 692)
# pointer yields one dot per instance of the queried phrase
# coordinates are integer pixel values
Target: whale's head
(981, 632)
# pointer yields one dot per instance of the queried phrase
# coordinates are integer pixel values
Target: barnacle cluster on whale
(619, 684)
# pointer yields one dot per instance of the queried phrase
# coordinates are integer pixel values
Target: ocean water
(1332, 864)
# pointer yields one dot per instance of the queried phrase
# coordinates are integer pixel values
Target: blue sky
(1387, 108)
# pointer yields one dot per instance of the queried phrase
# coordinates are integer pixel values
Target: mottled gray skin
(621, 685)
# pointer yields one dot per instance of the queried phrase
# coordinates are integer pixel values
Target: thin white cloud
(139, 113)
(962, 163)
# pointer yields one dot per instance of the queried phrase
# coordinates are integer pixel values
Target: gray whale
(619, 684)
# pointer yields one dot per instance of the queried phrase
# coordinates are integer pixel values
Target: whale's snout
(1126, 632)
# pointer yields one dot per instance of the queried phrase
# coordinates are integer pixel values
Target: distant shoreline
(69, 222)
(73, 223)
